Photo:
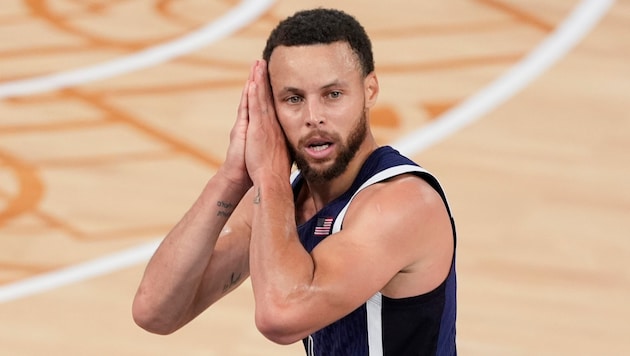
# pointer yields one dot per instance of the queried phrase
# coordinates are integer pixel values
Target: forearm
(173, 276)
(281, 269)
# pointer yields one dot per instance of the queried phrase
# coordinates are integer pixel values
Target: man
(356, 255)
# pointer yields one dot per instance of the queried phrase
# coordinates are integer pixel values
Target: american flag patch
(323, 226)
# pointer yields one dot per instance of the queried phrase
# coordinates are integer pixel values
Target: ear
(371, 90)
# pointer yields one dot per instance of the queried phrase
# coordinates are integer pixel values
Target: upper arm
(398, 227)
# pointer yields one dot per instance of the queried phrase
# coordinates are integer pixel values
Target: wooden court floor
(111, 122)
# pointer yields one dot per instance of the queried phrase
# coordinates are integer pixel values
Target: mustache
(319, 134)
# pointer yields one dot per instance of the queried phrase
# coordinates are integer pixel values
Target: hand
(266, 148)
(234, 167)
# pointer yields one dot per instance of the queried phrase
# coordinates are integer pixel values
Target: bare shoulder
(406, 219)
(400, 197)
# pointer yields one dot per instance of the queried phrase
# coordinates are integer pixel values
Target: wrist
(272, 188)
(235, 180)
(270, 176)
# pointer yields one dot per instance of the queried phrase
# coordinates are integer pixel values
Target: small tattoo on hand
(224, 204)
(226, 208)
(233, 281)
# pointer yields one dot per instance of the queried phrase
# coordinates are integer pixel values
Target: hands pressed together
(257, 142)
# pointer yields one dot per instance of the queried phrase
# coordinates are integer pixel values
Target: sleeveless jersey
(419, 325)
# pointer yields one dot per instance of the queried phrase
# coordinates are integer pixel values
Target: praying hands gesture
(265, 148)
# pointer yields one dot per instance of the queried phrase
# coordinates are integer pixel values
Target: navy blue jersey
(419, 325)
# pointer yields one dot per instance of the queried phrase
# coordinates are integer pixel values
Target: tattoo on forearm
(257, 197)
(225, 208)
(233, 281)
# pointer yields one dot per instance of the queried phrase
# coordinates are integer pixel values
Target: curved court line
(242, 14)
(583, 18)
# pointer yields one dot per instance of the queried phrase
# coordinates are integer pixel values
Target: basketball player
(355, 253)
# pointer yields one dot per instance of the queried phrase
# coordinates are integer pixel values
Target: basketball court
(114, 114)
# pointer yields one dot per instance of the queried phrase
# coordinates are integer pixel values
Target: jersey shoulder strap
(378, 177)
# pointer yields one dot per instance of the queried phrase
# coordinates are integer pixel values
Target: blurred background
(114, 114)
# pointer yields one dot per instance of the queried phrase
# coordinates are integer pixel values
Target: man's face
(320, 99)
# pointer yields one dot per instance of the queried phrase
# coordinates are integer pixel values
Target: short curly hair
(322, 26)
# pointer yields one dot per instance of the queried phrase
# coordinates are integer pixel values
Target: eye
(335, 94)
(295, 99)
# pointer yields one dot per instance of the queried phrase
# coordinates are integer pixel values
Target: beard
(347, 150)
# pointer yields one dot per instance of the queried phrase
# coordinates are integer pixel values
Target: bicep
(387, 230)
(355, 263)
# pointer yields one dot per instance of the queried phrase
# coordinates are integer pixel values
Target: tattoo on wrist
(225, 208)
(233, 281)
(257, 197)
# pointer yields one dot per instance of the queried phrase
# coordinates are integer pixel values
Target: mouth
(319, 149)
(320, 146)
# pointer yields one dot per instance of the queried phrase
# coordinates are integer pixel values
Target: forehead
(310, 63)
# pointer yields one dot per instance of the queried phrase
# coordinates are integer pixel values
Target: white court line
(572, 30)
(79, 272)
(243, 14)
(238, 16)
(582, 19)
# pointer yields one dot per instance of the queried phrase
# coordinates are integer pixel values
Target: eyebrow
(294, 90)
(334, 83)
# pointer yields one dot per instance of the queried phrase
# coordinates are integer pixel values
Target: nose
(314, 115)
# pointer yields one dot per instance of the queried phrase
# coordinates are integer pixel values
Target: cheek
(343, 118)
(289, 127)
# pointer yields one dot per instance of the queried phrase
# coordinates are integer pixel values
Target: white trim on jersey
(374, 308)
(378, 177)
(294, 175)
(374, 305)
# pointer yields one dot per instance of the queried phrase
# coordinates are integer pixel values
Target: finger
(264, 83)
(244, 103)
(263, 95)
(254, 109)
(243, 110)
